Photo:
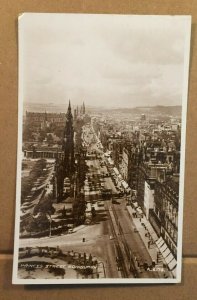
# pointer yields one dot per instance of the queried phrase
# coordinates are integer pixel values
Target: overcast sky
(104, 60)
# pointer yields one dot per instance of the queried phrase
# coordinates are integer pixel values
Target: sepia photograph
(102, 107)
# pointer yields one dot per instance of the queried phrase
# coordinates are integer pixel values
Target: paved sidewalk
(152, 249)
(144, 231)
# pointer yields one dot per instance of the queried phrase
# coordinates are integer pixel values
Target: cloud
(103, 59)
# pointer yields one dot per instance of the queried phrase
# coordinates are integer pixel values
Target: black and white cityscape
(100, 193)
(101, 147)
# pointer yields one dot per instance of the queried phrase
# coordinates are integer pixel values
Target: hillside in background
(57, 108)
(159, 109)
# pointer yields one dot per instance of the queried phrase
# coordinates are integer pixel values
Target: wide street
(110, 237)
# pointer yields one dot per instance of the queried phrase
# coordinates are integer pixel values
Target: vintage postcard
(101, 148)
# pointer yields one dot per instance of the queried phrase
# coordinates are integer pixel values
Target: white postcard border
(15, 279)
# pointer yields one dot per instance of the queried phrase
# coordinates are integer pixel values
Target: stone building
(166, 210)
(37, 121)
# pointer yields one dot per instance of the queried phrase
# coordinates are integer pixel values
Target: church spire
(69, 112)
(69, 106)
(68, 143)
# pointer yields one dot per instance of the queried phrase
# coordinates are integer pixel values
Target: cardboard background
(9, 11)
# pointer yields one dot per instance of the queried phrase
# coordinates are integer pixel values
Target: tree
(50, 138)
(63, 212)
(42, 136)
(38, 223)
(79, 208)
(93, 211)
(27, 133)
(27, 182)
(44, 206)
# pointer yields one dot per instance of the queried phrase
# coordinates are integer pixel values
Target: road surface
(110, 237)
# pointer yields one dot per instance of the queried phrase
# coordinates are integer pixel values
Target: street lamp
(50, 221)
(100, 262)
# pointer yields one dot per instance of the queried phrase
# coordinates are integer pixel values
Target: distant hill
(159, 109)
(57, 108)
